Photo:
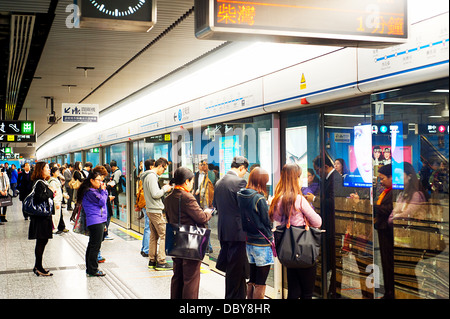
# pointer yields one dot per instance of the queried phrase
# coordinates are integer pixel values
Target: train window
(116, 154)
(411, 133)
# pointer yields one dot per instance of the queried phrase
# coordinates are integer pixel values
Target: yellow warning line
(131, 233)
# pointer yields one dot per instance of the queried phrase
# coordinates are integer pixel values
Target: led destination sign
(304, 21)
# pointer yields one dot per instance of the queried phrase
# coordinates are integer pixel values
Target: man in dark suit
(333, 188)
(233, 256)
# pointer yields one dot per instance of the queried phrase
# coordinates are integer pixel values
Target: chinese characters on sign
(240, 14)
(345, 22)
(80, 113)
(368, 19)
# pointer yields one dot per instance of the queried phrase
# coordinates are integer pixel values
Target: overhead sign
(18, 138)
(345, 22)
(17, 128)
(120, 15)
(80, 113)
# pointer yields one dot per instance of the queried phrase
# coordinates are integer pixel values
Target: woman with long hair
(289, 207)
(182, 206)
(93, 196)
(255, 221)
(41, 227)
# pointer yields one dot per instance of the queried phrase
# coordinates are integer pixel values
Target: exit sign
(17, 128)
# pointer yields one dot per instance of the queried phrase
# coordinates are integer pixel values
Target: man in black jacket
(233, 256)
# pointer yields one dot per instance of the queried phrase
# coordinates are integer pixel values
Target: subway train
(362, 108)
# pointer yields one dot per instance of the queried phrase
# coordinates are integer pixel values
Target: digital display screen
(306, 18)
(360, 155)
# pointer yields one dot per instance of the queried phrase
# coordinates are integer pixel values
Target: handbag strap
(179, 211)
(307, 225)
(251, 221)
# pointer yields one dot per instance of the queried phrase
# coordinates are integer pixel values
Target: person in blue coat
(93, 197)
(14, 177)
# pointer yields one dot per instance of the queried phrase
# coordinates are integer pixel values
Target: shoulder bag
(79, 225)
(297, 246)
(186, 241)
(74, 183)
(7, 199)
(29, 207)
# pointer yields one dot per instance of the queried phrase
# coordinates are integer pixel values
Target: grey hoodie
(152, 193)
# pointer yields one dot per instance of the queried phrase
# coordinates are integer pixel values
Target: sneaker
(97, 274)
(163, 267)
(108, 238)
(144, 254)
(101, 260)
(151, 264)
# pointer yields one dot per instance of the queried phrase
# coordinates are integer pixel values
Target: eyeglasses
(99, 179)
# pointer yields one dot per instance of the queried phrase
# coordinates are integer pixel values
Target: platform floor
(128, 276)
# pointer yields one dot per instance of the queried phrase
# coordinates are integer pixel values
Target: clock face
(118, 8)
(121, 15)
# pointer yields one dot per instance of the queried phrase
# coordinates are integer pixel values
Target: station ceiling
(77, 65)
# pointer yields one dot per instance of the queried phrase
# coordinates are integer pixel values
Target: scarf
(181, 187)
(383, 194)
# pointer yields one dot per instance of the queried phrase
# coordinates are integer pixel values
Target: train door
(345, 168)
(300, 141)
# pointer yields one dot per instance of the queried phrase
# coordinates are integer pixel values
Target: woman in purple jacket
(93, 195)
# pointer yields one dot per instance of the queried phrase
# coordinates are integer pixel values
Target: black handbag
(186, 241)
(297, 246)
(7, 199)
(30, 208)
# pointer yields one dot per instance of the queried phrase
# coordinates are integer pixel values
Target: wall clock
(121, 15)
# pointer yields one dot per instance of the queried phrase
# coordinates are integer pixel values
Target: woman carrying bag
(290, 207)
(255, 221)
(5, 198)
(93, 195)
(41, 227)
(181, 206)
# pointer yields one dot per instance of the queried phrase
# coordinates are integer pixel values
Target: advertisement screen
(360, 155)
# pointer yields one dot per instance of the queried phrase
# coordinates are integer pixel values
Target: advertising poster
(265, 152)
(229, 148)
(360, 155)
(297, 149)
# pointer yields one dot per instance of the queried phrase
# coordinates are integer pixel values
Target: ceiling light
(409, 103)
(439, 91)
(347, 115)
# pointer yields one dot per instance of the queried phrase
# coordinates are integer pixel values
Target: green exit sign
(27, 127)
(7, 150)
(95, 150)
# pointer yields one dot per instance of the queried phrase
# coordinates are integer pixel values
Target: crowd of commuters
(247, 215)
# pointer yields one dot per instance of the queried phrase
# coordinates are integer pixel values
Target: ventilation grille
(21, 35)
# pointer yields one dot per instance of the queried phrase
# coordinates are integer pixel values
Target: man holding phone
(154, 205)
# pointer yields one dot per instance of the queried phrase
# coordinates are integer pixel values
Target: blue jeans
(146, 237)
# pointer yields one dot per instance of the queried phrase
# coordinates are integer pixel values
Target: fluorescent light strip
(346, 115)
(409, 103)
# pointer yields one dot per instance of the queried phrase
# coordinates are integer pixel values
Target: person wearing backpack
(140, 207)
